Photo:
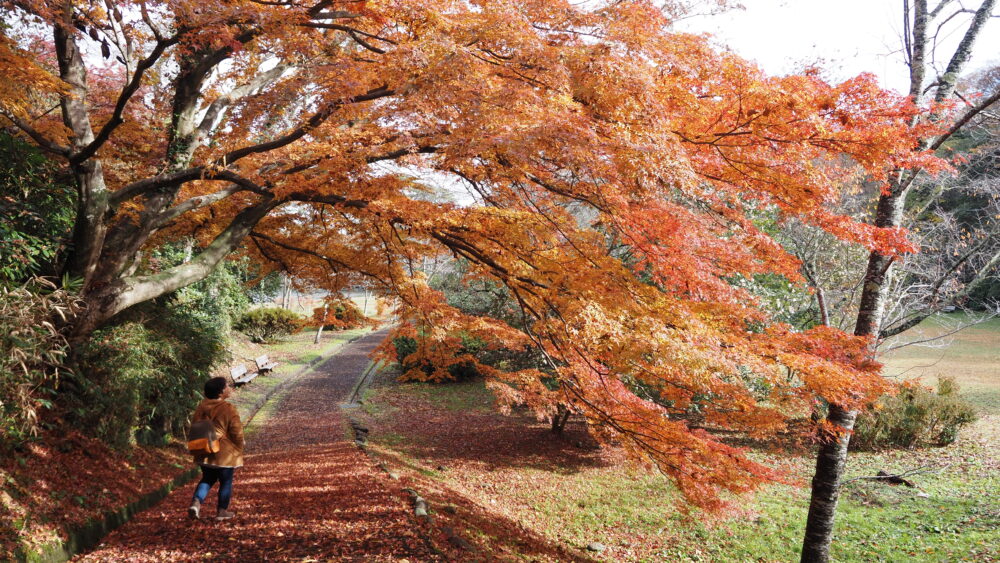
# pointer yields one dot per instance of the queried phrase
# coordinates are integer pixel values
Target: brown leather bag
(202, 437)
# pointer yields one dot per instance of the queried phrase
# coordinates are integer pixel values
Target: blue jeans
(209, 475)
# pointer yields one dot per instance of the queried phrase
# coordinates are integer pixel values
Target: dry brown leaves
(305, 493)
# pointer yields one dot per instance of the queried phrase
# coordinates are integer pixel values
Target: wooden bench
(241, 376)
(264, 364)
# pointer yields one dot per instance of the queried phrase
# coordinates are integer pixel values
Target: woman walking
(219, 466)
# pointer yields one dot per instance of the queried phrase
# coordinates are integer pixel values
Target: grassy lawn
(972, 356)
(562, 492)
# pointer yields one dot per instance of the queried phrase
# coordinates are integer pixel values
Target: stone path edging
(91, 533)
(420, 504)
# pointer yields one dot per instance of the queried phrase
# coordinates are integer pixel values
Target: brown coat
(228, 426)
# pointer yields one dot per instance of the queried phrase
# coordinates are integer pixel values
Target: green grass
(875, 522)
(463, 396)
(972, 356)
(305, 352)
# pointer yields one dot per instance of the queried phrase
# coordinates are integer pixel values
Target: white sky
(847, 36)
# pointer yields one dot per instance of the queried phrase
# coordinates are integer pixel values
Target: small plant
(32, 352)
(915, 417)
(267, 323)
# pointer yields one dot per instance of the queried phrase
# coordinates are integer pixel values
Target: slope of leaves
(62, 481)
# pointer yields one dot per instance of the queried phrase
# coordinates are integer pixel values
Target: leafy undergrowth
(61, 482)
(499, 480)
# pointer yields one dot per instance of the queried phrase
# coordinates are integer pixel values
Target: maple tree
(305, 134)
(339, 312)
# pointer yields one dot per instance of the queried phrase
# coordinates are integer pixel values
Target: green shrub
(37, 211)
(32, 352)
(914, 417)
(141, 378)
(267, 323)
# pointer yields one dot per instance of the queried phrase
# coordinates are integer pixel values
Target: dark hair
(214, 387)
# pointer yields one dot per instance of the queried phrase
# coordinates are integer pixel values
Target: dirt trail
(305, 493)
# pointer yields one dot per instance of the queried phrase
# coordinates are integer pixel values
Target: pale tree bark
(832, 456)
(106, 244)
(90, 228)
(319, 329)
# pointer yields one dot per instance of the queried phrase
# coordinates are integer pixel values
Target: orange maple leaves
(613, 172)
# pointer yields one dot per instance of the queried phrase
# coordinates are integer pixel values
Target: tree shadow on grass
(441, 436)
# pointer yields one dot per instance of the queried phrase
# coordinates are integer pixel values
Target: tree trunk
(830, 464)
(832, 456)
(107, 300)
(319, 330)
(560, 418)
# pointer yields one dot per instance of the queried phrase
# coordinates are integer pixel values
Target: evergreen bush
(37, 211)
(914, 417)
(267, 323)
(143, 377)
(139, 378)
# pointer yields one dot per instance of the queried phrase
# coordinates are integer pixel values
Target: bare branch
(336, 15)
(300, 131)
(329, 199)
(333, 262)
(195, 203)
(160, 181)
(964, 51)
(979, 108)
(218, 107)
(898, 477)
(957, 329)
(144, 288)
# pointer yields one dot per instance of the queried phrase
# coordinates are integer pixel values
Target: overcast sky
(847, 36)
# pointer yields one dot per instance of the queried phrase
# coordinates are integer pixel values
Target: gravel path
(305, 493)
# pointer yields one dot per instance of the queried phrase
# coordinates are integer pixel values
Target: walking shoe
(194, 511)
(223, 514)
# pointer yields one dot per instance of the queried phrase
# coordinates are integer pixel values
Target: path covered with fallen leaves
(305, 493)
